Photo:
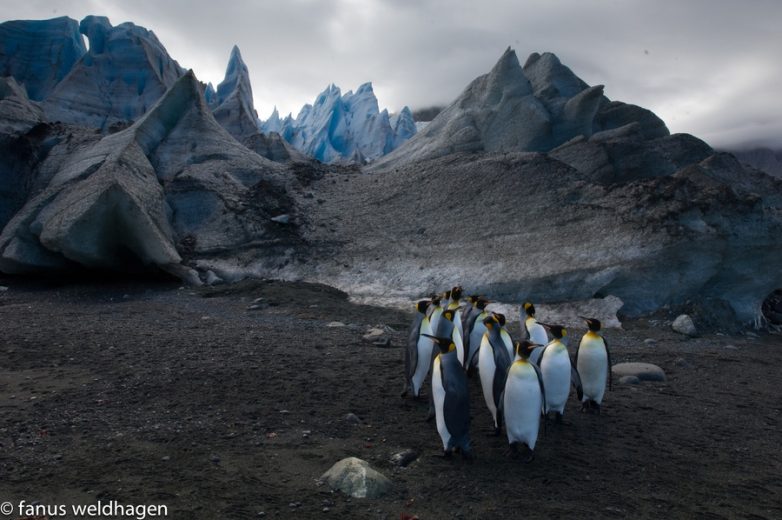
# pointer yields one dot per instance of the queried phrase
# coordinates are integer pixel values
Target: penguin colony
(523, 382)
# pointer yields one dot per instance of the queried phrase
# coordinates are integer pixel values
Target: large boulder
(356, 478)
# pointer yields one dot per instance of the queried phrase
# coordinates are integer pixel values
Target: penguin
(468, 313)
(558, 372)
(493, 364)
(534, 330)
(474, 332)
(435, 311)
(522, 400)
(451, 399)
(446, 328)
(506, 339)
(418, 355)
(456, 306)
(593, 362)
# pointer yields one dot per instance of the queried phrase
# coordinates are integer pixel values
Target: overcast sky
(707, 67)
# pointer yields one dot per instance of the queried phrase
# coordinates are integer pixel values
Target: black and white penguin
(451, 399)
(474, 331)
(535, 332)
(418, 355)
(435, 311)
(522, 401)
(446, 328)
(493, 364)
(593, 362)
(456, 306)
(558, 372)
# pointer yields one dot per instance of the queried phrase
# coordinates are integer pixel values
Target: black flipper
(610, 374)
(575, 378)
(540, 381)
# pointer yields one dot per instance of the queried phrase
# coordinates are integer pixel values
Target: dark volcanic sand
(145, 393)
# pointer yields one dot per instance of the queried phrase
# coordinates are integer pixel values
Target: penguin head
(445, 344)
(558, 331)
(500, 319)
(456, 293)
(435, 299)
(490, 321)
(529, 309)
(524, 348)
(422, 306)
(481, 303)
(593, 324)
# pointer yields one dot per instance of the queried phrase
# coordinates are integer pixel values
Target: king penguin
(418, 355)
(522, 401)
(558, 372)
(456, 306)
(493, 364)
(451, 399)
(535, 331)
(435, 311)
(593, 362)
(474, 331)
(446, 328)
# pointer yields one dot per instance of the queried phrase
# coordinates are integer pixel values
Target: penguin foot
(529, 456)
(513, 450)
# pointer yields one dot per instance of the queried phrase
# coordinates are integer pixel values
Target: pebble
(683, 325)
(215, 459)
(650, 342)
(682, 363)
(352, 418)
(334, 324)
(731, 347)
(643, 371)
(3, 288)
(282, 219)
(404, 458)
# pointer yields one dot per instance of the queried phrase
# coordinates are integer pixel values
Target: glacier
(339, 128)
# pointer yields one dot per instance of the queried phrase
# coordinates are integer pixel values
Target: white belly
(438, 394)
(593, 369)
(486, 369)
(555, 367)
(537, 334)
(522, 403)
(425, 346)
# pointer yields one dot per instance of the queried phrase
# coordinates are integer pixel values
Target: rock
(650, 342)
(3, 288)
(404, 458)
(356, 478)
(683, 325)
(212, 278)
(643, 371)
(335, 324)
(373, 334)
(352, 418)
(382, 343)
(629, 380)
(281, 219)
(682, 363)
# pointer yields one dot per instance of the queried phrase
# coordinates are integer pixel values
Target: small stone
(282, 219)
(212, 278)
(352, 418)
(629, 380)
(335, 324)
(166, 458)
(681, 362)
(215, 459)
(650, 342)
(3, 288)
(326, 509)
(731, 347)
(373, 334)
(643, 371)
(356, 478)
(404, 458)
(683, 325)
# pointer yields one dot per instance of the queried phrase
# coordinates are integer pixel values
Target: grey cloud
(675, 58)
